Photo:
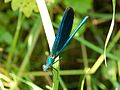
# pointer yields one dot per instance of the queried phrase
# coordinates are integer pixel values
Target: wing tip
(70, 9)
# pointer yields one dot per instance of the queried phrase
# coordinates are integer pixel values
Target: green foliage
(5, 36)
(81, 6)
(26, 6)
(81, 67)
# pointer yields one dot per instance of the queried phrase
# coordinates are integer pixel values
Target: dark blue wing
(63, 31)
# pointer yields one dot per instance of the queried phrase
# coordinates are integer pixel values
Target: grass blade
(110, 30)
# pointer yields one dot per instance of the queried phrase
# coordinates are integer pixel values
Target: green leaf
(81, 6)
(16, 4)
(5, 36)
(6, 1)
(26, 6)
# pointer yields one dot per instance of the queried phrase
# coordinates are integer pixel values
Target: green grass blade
(110, 30)
(97, 49)
(101, 57)
(62, 84)
(29, 52)
(13, 46)
(32, 85)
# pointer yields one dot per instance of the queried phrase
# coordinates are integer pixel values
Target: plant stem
(56, 76)
(85, 61)
(97, 49)
(35, 33)
(13, 46)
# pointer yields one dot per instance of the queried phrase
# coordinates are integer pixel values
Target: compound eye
(45, 68)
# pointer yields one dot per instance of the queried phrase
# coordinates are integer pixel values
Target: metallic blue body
(63, 36)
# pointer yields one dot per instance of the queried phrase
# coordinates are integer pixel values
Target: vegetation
(24, 48)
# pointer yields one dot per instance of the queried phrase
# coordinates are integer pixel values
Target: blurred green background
(24, 48)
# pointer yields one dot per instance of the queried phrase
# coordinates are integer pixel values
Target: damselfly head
(45, 67)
